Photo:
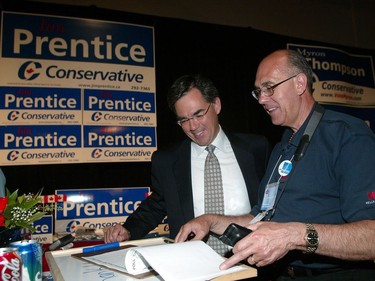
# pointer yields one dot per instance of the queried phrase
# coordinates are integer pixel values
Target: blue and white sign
(21, 106)
(97, 208)
(340, 77)
(63, 75)
(43, 144)
(70, 39)
(107, 107)
(343, 81)
(44, 230)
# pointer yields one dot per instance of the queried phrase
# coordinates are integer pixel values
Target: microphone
(63, 241)
(301, 148)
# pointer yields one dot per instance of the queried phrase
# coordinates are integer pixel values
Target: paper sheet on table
(189, 261)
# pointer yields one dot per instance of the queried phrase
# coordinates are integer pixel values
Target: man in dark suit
(178, 172)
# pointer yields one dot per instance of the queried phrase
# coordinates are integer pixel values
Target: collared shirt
(332, 184)
(236, 199)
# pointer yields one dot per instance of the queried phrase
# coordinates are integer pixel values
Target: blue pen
(102, 247)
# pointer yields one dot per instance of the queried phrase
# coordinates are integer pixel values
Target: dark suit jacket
(172, 188)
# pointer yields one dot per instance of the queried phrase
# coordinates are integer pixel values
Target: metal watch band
(311, 234)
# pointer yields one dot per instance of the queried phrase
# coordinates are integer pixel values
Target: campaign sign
(105, 107)
(110, 136)
(342, 81)
(43, 144)
(96, 208)
(340, 78)
(20, 106)
(119, 143)
(63, 74)
(44, 230)
(34, 36)
(45, 50)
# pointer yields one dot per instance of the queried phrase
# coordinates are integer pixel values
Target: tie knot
(210, 148)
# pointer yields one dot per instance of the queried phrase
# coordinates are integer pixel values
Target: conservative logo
(97, 153)
(13, 115)
(30, 70)
(71, 227)
(13, 155)
(96, 116)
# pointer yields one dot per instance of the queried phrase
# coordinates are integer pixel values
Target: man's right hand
(195, 229)
(116, 233)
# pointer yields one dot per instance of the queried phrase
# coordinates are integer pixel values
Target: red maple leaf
(30, 70)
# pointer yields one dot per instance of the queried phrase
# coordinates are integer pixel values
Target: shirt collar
(219, 142)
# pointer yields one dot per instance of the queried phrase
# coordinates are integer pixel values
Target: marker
(102, 247)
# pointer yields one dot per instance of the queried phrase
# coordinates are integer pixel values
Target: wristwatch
(311, 238)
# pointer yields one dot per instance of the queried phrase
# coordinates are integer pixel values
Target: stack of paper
(189, 261)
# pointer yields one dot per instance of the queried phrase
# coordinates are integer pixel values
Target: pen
(102, 247)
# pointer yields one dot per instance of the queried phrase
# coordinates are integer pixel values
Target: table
(64, 267)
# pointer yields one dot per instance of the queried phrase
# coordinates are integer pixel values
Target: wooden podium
(64, 267)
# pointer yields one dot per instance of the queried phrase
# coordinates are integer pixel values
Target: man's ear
(217, 105)
(301, 83)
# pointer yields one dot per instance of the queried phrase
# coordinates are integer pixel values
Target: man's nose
(262, 99)
(193, 123)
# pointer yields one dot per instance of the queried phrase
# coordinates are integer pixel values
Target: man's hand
(196, 229)
(268, 243)
(116, 233)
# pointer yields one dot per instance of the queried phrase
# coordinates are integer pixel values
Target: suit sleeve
(152, 210)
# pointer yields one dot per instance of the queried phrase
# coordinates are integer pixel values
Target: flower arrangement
(20, 211)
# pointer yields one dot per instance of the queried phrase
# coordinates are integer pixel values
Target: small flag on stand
(52, 198)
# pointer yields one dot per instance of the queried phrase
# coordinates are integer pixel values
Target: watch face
(312, 238)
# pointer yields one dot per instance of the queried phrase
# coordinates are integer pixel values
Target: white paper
(188, 261)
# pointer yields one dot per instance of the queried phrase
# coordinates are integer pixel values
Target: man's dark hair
(187, 82)
(299, 62)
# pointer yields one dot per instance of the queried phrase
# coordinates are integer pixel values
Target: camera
(233, 234)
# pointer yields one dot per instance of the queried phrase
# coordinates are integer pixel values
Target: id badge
(269, 196)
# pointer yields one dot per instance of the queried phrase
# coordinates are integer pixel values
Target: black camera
(233, 234)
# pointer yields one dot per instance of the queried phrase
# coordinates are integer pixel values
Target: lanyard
(299, 153)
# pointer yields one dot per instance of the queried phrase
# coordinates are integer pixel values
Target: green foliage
(21, 211)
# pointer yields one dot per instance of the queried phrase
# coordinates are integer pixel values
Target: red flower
(3, 204)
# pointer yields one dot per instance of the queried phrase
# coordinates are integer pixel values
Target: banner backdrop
(75, 90)
(343, 81)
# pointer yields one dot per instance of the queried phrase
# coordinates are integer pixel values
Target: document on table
(188, 261)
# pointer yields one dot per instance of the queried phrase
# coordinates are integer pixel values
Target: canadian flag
(51, 198)
(61, 198)
(43, 199)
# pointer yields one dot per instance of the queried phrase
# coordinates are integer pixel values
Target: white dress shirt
(236, 199)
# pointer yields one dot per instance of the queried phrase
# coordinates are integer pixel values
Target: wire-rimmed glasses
(268, 91)
(196, 117)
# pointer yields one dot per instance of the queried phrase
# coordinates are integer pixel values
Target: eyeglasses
(195, 117)
(268, 90)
